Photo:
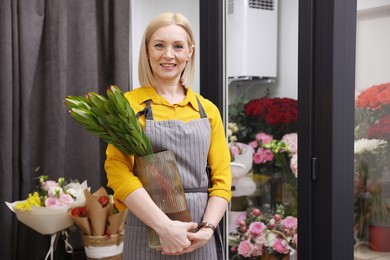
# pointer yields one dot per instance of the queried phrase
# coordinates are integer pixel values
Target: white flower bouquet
(45, 210)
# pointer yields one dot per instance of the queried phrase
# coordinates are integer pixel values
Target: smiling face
(168, 53)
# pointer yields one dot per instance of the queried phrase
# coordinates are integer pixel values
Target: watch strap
(207, 225)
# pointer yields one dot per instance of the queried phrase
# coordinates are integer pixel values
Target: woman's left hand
(198, 239)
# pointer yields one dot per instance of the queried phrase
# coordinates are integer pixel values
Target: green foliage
(111, 119)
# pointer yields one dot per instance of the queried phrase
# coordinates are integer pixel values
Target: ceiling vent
(262, 4)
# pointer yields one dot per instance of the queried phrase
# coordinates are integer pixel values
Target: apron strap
(196, 190)
(147, 111)
(201, 109)
(219, 243)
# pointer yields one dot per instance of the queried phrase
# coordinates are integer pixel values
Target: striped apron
(190, 142)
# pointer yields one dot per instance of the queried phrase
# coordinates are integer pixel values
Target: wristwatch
(207, 225)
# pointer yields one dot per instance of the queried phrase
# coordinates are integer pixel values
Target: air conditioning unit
(251, 39)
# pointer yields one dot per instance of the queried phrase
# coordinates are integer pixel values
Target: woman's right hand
(173, 237)
(173, 234)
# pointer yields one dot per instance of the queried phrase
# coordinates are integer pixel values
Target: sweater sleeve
(119, 170)
(219, 157)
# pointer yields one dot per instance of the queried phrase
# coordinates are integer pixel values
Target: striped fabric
(190, 143)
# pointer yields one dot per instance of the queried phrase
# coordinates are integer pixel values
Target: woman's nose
(168, 53)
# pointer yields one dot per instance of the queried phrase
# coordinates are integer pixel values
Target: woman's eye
(159, 45)
(179, 46)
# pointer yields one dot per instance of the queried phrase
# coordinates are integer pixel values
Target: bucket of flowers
(280, 158)
(45, 209)
(372, 171)
(102, 226)
(269, 125)
(265, 237)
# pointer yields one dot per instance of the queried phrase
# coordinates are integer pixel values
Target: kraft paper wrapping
(116, 222)
(96, 212)
(100, 221)
(83, 223)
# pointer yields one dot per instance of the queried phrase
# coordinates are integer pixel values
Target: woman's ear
(191, 51)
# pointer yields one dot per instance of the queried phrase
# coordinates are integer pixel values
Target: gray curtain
(48, 50)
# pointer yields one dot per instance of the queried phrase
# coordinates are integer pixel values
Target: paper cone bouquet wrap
(101, 225)
(99, 217)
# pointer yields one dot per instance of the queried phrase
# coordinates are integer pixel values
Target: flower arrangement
(101, 225)
(272, 154)
(372, 132)
(264, 123)
(44, 210)
(372, 150)
(258, 235)
(270, 126)
(373, 112)
(99, 216)
(276, 116)
(275, 157)
(231, 132)
(53, 194)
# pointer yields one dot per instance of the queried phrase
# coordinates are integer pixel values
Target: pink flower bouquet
(45, 210)
(259, 235)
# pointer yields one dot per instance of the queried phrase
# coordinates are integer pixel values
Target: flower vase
(276, 191)
(159, 175)
(261, 197)
(290, 199)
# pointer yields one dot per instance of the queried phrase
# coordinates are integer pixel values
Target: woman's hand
(173, 238)
(197, 239)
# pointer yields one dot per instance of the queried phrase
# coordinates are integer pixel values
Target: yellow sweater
(119, 166)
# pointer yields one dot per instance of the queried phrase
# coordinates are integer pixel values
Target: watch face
(207, 225)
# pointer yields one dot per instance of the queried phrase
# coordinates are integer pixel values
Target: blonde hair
(145, 73)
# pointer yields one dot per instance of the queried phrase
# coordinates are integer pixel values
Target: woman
(185, 123)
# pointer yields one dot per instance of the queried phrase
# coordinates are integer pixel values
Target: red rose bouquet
(372, 113)
(276, 116)
(101, 225)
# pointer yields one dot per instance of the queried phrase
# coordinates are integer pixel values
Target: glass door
(262, 115)
(372, 131)
(336, 189)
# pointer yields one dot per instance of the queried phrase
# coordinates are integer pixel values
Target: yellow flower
(23, 206)
(32, 200)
